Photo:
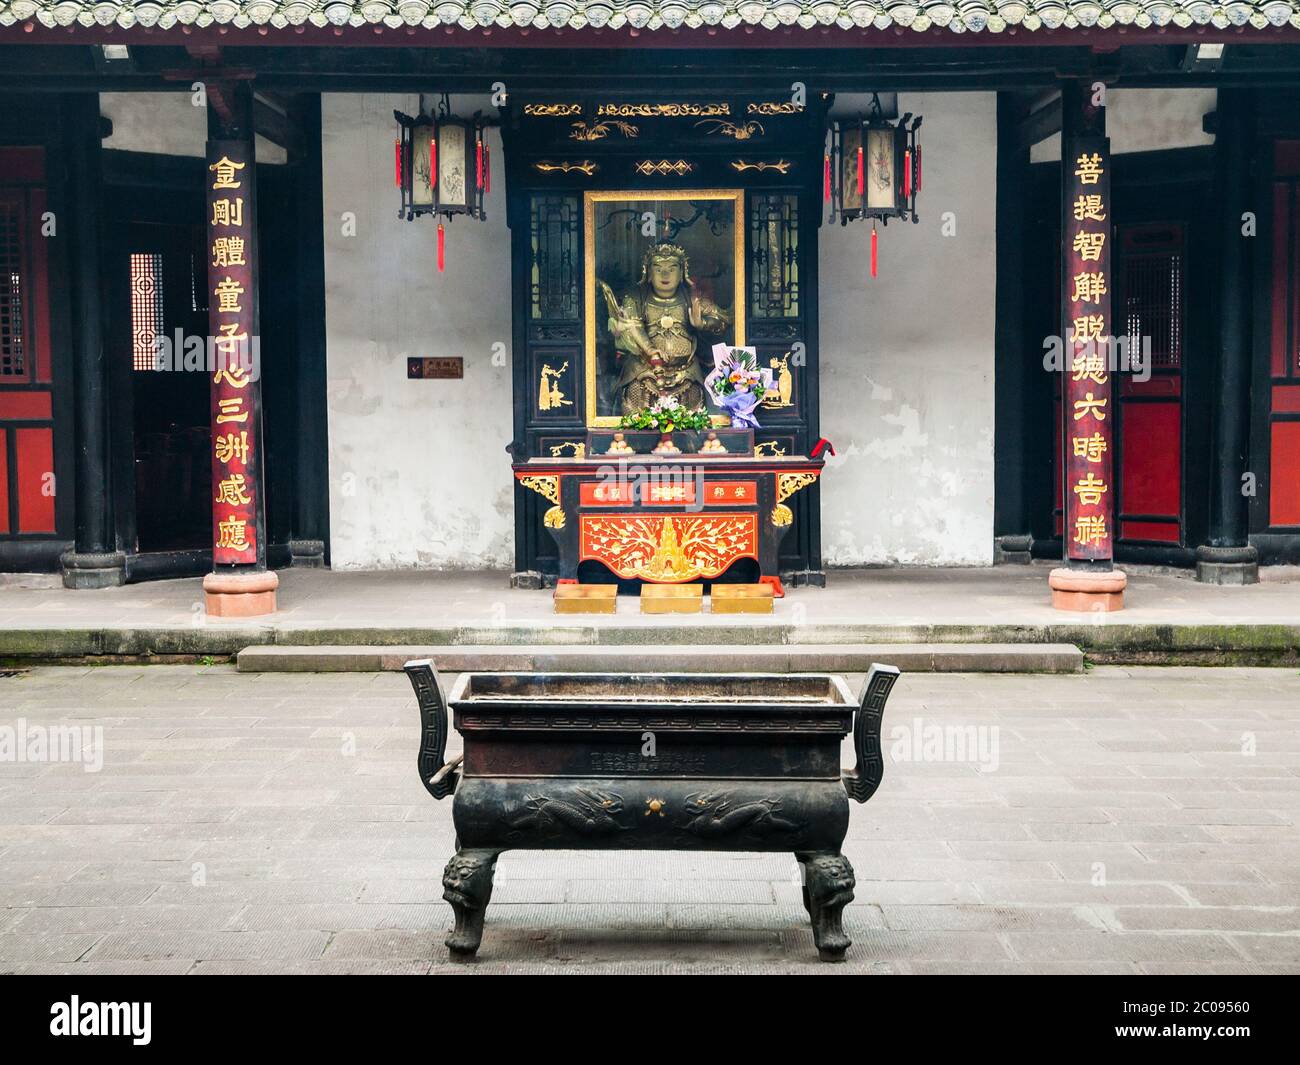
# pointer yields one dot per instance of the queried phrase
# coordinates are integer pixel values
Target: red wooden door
(1150, 311)
(27, 482)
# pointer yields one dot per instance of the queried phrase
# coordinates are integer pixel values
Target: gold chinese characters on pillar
(232, 312)
(1088, 404)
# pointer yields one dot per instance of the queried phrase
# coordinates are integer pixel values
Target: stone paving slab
(1123, 820)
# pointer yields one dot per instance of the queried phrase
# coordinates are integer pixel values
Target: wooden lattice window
(774, 256)
(146, 308)
(13, 286)
(554, 261)
(1152, 288)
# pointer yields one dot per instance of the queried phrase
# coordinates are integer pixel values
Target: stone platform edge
(1112, 643)
(828, 658)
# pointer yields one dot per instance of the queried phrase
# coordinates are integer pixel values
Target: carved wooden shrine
(654, 761)
(644, 232)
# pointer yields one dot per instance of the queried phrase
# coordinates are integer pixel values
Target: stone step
(762, 658)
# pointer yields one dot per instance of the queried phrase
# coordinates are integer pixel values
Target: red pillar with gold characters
(240, 584)
(1088, 581)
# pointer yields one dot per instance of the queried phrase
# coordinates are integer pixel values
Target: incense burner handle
(439, 779)
(864, 778)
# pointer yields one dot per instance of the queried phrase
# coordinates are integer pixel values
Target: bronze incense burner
(651, 761)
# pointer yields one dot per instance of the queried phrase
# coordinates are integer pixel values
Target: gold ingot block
(672, 598)
(741, 599)
(586, 598)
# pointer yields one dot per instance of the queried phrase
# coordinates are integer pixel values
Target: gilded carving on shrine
(737, 131)
(649, 167)
(549, 395)
(595, 131)
(771, 107)
(769, 448)
(787, 484)
(783, 377)
(547, 486)
(576, 448)
(552, 110)
(781, 166)
(585, 166)
(674, 110)
(669, 549)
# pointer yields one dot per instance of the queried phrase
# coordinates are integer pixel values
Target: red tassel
(397, 159)
(918, 168)
(433, 162)
(442, 248)
(907, 175)
(862, 175)
(478, 164)
(487, 169)
(874, 255)
(826, 178)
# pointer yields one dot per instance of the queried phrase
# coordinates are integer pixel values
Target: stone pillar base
(527, 579)
(1087, 591)
(1013, 550)
(99, 569)
(240, 595)
(1227, 565)
(307, 554)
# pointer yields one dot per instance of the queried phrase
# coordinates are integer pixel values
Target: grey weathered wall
(167, 123)
(418, 472)
(907, 358)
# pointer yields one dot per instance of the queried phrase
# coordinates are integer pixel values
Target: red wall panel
(1152, 459)
(1284, 489)
(35, 465)
(4, 481)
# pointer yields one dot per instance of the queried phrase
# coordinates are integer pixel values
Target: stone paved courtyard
(267, 823)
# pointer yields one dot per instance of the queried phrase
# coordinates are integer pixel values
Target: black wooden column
(1014, 360)
(311, 498)
(240, 584)
(1227, 556)
(95, 561)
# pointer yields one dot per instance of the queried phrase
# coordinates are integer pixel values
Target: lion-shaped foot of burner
(467, 885)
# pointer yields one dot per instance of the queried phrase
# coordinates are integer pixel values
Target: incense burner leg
(828, 888)
(467, 885)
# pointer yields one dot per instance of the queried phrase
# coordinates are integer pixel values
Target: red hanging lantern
(874, 170)
(436, 153)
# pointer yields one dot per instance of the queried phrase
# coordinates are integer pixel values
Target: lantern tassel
(397, 162)
(442, 248)
(874, 250)
(826, 177)
(433, 161)
(907, 175)
(862, 174)
(478, 164)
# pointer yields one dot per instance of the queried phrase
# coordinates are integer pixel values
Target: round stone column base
(1087, 591)
(240, 595)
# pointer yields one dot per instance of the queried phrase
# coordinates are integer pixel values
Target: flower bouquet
(737, 385)
(666, 415)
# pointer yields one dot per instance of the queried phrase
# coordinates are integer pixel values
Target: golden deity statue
(656, 331)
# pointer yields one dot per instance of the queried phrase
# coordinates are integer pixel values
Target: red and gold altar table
(668, 519)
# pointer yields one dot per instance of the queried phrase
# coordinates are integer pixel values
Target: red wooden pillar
(1088, 580)
(240, 584)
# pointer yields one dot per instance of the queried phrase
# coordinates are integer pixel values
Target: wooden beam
(1040, 124)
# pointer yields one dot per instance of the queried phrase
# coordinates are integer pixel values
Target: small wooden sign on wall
(451, 368)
